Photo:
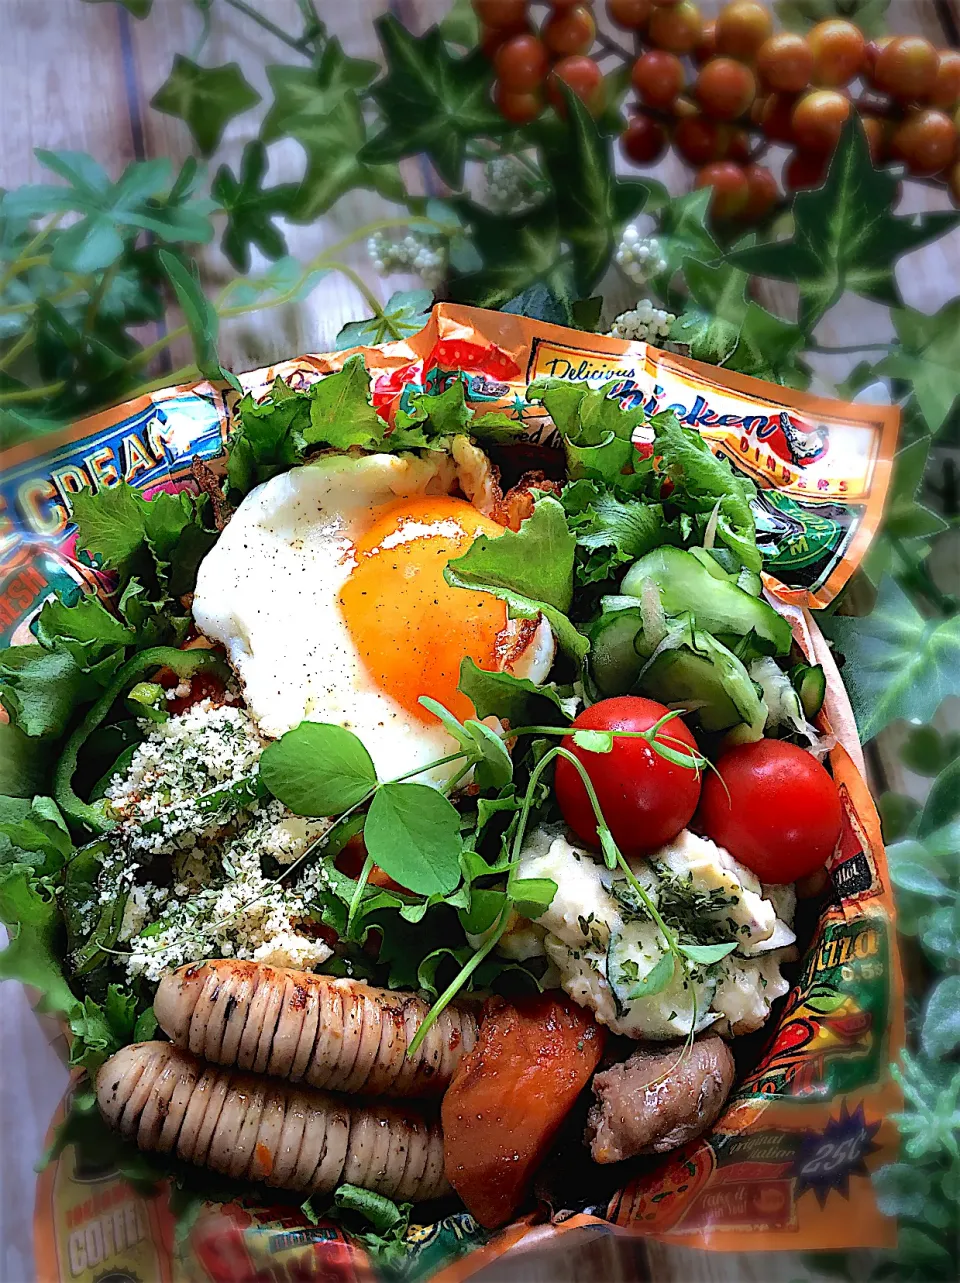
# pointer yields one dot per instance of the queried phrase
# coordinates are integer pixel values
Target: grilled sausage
(658, 1100)
(337, 1034)
(255, 1128)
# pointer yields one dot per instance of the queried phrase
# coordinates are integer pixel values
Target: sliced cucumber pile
(722, 654)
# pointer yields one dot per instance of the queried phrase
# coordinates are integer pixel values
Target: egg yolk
(410, 627)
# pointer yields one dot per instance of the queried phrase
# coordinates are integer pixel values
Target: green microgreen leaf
(594, 741)
(413, 833)
(531, 897)
(318, 769)
(657, 978)
(705, 954)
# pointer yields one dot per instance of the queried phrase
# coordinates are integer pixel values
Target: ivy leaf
(801, 15)
(519, 253)
(302, 95)
(929, 358)
(431, 101)
(579, 165)
(340, 411)
(33, 954)
(413, 833)
(943, 801)
(940, 1032)
(406, 312)
(250, 209)
(681, 233)
(766, 347)
(905, 520)
(332, 143)
(719, 288)
(318, 769)
(138, 8)
(205, 98)
(897, 663)
(845, 236)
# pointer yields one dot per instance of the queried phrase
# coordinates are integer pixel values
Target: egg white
(268, 591)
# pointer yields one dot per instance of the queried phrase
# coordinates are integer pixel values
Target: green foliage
(432, 102)
(898, 664)
(845, 235)
(87, 261)
(206, 99)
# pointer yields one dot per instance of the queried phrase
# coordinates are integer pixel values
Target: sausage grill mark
(246, 1127)
(336, 1034)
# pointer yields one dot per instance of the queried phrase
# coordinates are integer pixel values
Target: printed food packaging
(788, 1163)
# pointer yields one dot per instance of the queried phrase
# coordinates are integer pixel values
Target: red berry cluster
(718, 91)
(528, 64)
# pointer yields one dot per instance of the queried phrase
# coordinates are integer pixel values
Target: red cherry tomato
(645, 799)
(782, 816)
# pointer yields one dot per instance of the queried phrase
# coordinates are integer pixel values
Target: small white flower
(510, 186)
(424, 255)
(639, 257)
(644, 323)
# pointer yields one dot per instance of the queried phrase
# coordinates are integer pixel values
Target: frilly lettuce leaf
(530, 569)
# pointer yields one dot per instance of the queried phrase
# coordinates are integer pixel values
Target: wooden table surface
(80, 76)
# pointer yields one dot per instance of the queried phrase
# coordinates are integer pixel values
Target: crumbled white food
(783, 897)
(595, 917)
(218, 899)
(747, 990)
(712, 869)
(204, 749)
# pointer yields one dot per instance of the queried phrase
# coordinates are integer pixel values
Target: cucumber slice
(613, 660)
(811, 685)
(709, 562)
(750, 582)
(700, 670)
(718, 605)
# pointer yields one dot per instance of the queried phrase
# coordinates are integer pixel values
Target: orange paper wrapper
(787, 1165)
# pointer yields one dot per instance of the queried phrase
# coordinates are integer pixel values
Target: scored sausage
(339, 1034)
(254, 1128)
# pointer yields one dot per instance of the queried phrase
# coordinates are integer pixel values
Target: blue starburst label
(827, 1161)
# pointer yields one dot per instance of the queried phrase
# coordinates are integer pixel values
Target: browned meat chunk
(657, 1101)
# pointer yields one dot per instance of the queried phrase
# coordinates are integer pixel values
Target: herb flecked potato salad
(393, 774)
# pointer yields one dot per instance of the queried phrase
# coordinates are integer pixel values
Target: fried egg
(327, 591)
